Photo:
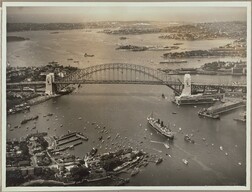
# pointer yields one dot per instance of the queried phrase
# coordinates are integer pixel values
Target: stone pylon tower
(50, 87)
(187, 85)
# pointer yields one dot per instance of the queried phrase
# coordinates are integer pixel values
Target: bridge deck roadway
(119, 82)
(123, 82)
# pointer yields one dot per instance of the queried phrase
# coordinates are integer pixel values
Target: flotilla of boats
(156, 124)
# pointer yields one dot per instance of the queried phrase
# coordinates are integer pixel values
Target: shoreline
(34, 101)
(41, 99)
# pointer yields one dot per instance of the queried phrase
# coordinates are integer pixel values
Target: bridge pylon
(50, 86)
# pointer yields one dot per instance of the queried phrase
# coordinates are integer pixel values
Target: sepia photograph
(126, 95)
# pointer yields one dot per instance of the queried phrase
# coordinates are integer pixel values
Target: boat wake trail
(204, 166)
(165, 144)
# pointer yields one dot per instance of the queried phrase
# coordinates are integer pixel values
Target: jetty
(81, 136)
(72, 139)
(215, 111)
(67, 136)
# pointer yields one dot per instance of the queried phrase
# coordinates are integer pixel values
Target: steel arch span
(120, 73)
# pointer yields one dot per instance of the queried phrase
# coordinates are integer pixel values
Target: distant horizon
(124, 13)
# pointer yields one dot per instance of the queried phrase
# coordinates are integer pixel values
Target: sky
(123, 13)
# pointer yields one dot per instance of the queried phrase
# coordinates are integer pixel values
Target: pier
(68, 138)
(66, 148)
(215, 111)
(70, 141)
(81, 136)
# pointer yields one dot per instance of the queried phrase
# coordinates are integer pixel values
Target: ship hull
(152, 124)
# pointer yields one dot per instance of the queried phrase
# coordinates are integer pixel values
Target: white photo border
(245, 4)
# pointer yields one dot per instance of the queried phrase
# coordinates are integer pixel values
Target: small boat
(53, 62)
(93, 151)
(185, 161)
(160, 127)
(29, 119)
(166, 146)
(135, 171)
(87, 55)
(123, 38)
(159, 160)
(178, 44)
(188, 139)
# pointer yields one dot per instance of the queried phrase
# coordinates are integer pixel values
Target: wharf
(70, 141)
(228, 106)
(66, 137)
(74, 134)
(81, 136)
(66, 148)
(215, 111)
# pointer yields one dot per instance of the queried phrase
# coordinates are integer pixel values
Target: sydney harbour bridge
(119, 73)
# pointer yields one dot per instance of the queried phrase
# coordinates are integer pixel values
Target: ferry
(87, 55)
(160, 127)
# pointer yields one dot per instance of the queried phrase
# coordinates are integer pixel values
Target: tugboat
(160, 127)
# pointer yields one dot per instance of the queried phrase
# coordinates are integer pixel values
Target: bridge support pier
(50, 86)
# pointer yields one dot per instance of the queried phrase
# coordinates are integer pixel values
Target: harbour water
(123, 109)
(44, 47)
